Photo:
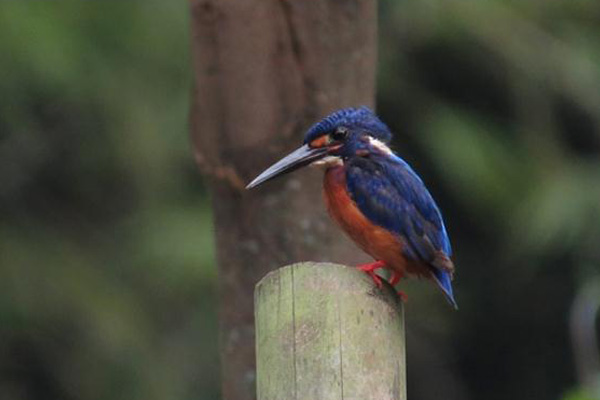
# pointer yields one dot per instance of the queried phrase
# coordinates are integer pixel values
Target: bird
(375, 197)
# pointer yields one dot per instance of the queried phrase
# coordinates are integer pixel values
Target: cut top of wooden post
(325, 332)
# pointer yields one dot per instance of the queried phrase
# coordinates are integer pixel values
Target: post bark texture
(325, 332)
(263, 72)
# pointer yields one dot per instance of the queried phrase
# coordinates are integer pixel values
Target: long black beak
(297, 159)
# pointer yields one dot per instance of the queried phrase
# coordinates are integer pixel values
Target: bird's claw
(376, 278)
(370, 269)
(395, 278)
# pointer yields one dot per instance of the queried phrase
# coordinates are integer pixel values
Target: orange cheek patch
(319, 142)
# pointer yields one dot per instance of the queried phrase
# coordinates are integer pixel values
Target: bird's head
(346, 133)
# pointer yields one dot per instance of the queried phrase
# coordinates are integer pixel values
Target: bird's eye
(340, 133)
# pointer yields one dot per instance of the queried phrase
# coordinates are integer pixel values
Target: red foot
(370, 269)
(395, 278)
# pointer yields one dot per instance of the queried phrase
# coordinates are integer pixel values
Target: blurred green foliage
(579, 395)
(107, 277)
(497, 104)
(107, 280)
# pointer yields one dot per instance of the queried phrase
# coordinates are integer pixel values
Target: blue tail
(444, 281)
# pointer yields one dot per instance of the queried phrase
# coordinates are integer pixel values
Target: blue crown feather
(361, 118)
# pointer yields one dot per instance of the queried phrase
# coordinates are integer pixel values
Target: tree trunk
(264, 72)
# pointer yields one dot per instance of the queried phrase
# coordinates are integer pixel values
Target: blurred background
(107, 275)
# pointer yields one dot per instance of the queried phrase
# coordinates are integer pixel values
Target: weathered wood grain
(325, 332)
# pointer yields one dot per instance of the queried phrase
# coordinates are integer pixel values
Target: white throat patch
(328, 161)
(379, 145)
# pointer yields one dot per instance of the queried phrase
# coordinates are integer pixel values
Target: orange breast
(376, 241)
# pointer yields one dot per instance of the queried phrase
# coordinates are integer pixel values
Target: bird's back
(387, 210)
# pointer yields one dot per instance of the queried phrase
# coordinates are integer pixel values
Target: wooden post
(325, 332)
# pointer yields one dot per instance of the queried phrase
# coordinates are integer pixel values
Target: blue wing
(390, 194)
